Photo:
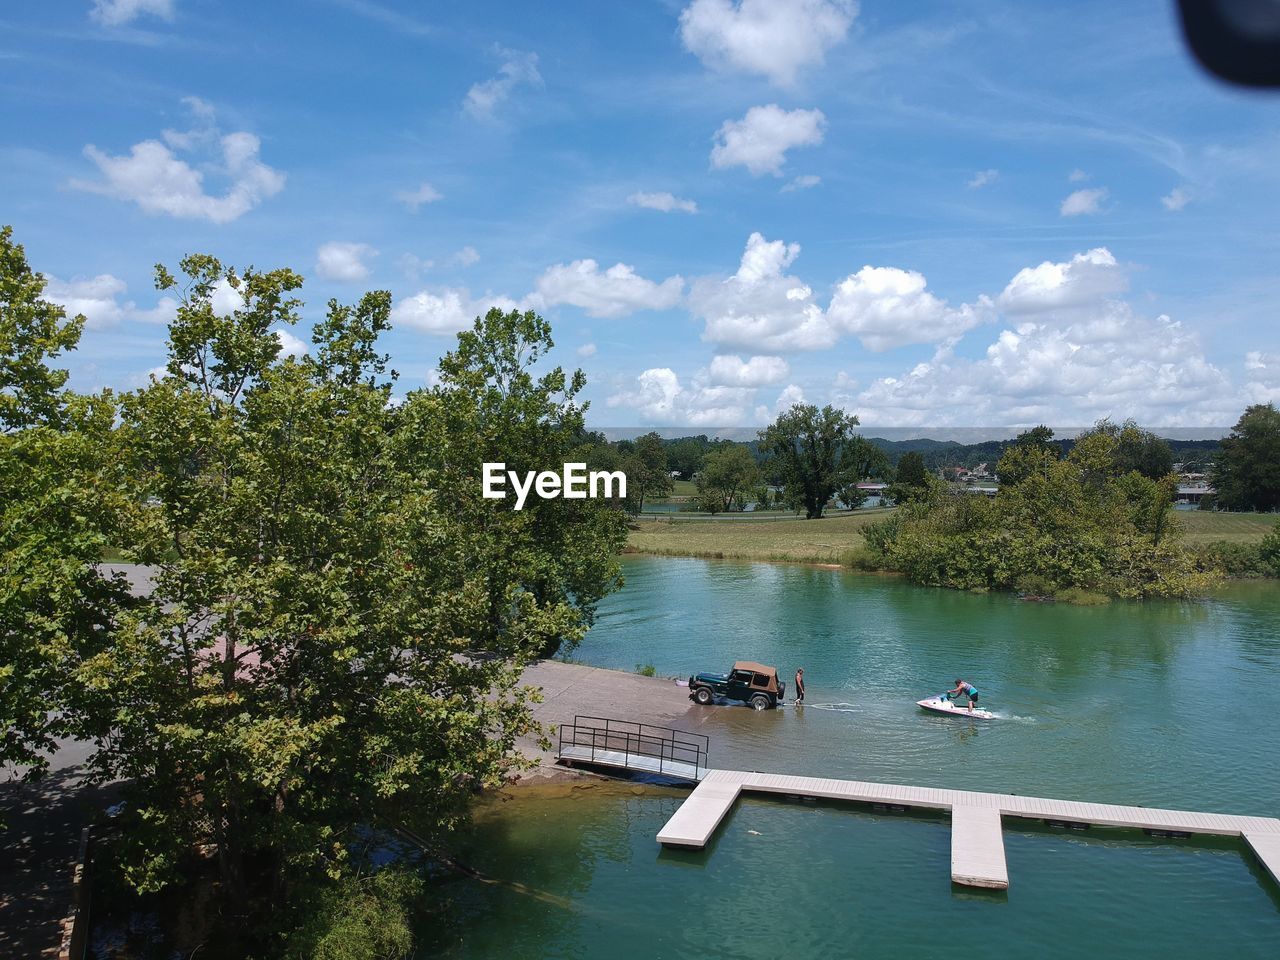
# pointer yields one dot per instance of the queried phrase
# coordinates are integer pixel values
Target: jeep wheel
(703, 695)
(760, 702)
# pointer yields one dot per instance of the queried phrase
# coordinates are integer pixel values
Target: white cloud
(788, 398)
(98, 300)
(413, 266)
(1077, 176)
(1083, 280)
(1176, 199)
(446, 312)
(1083, 202)
(415, 198)
(158, 181)
(344, 262)
(1097, 359)
(587, 350)
(518, 69)
(982, 178)
(761, 139)
(290, 346)
(659, 398)
(886, 307)
(772, 38)
(760, 307)
(615, 292)
(226, 299)
(115, 13)
(805, 182)
(728, 370)
(1262, 377)
(665, 202)
(466, 257)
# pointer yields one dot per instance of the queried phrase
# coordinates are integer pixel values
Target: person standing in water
(965, 689)
(800, 687)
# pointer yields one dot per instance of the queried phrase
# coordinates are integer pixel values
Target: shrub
(1082, 598)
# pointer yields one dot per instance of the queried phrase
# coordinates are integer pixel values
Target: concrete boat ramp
(977, 843)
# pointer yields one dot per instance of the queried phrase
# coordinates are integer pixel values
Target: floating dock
(977, 843)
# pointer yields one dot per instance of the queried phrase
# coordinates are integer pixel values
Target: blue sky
(931, 214)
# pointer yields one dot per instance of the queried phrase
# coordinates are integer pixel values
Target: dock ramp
(639, 747)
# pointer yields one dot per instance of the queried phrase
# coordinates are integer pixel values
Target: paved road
(38, 851)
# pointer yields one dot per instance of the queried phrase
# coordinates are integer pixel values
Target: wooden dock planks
(977, 848)
(695, 822)
(977, 843)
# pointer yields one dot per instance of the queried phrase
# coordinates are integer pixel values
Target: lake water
(1163, 704)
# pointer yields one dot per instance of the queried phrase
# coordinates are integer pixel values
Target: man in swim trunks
(800, 687)
(965, 689)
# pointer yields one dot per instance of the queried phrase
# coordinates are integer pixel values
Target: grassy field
(830, 539)
(684, 488)
(1203, 526)
(815, 541)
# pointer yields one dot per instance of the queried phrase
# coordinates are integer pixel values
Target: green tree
(685, 455)
(807, 447)
(59, 504)
(339, 619)
(728, 475)
(1126, 447)
(650, 475)
(1032, 451)
(911, 481)
(1247, 472)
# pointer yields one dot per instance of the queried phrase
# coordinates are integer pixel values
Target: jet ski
(942, 704)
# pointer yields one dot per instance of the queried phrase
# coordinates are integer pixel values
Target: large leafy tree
(911, 479)
(1032, 452)
(648, 474)
(1247, 471)
(728, 475)
(58, 507)
(812, 454)
(339, 619)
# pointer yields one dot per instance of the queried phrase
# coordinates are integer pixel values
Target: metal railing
(639, 743)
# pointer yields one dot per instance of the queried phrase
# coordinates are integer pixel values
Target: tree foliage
(59, 507)
(339, 619)
(728, 476)
(813, 454)
(1247, 472)
(648, 475)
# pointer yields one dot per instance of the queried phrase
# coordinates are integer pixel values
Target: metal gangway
(627, 745)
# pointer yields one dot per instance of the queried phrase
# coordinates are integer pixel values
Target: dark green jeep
(751, 683)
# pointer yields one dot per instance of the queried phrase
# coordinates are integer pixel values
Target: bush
(1082, 598)
(1034, 585)
(648, 670)
(863, 558)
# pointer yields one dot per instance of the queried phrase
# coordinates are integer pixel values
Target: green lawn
(816, 541)
(1203, 526)
(830, 539)
(684, 488)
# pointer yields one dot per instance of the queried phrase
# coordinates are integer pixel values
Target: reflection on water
(815, 880)
(1154, 703)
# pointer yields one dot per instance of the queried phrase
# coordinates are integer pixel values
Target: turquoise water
(1160, 704)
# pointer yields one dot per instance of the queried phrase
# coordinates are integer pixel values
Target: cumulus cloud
(159, 182)
(1084, 355)
(98, 299)
(728, 370)
(447, 311)
(772, 38)
(587, 350)
(344, 262)
(1176, 199)
(658, 397)
(1083, 202)
(804, 182)
(116, 13)
(666, 202)
(888, 307)
(1083, 280)
(982, 178)
(290, 346)
(1077, 176)
(1262, 377)
(422, 193)
(615, 292)
(761, 139)
(518, 69)
(466, 257)
(760, 307)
